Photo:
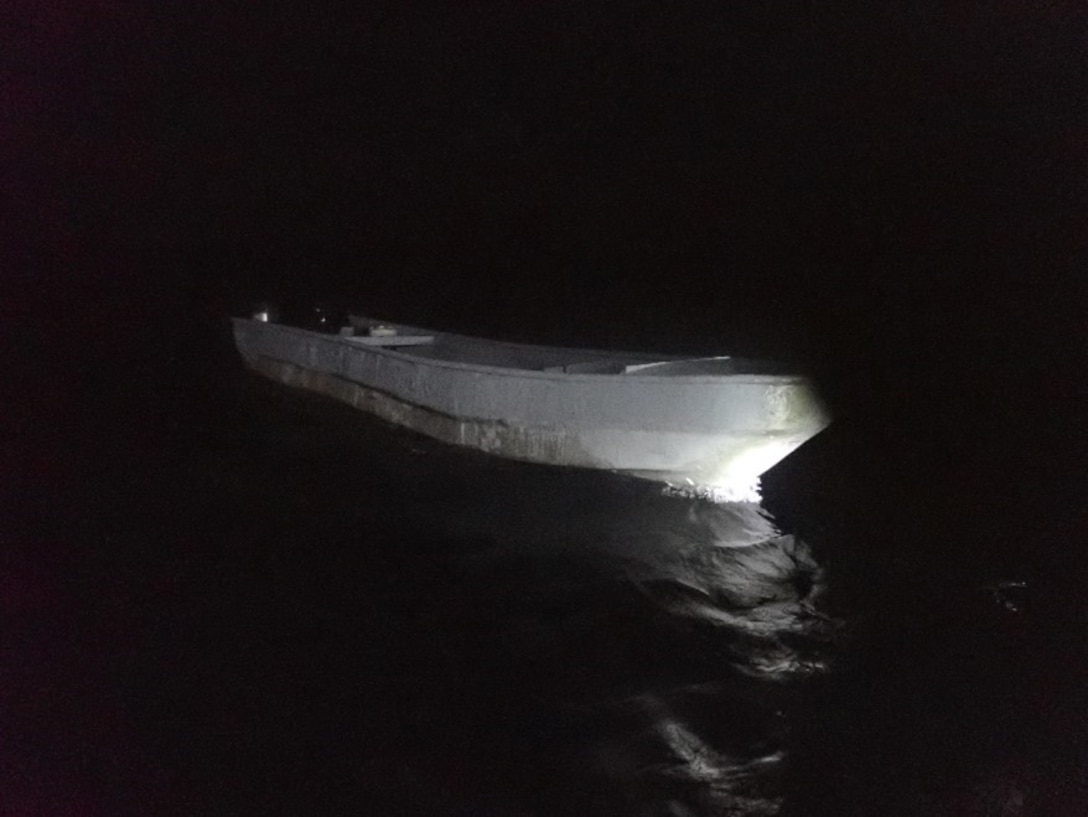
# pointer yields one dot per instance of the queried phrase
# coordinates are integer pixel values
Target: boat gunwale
(483, 368)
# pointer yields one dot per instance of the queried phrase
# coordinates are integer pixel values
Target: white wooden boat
(711, 425)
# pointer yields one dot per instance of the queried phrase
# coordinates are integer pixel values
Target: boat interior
(425, 343)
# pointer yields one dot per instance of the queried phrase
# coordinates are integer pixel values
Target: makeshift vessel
(708, 425)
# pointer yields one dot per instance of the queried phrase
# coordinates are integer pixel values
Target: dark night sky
(892, 196)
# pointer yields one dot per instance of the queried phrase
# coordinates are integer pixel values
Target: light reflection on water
(703, 728)
(755, 604)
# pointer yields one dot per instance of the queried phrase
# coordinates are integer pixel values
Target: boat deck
(501, 354)
(430, 345)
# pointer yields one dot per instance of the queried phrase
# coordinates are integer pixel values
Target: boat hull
(705, 431)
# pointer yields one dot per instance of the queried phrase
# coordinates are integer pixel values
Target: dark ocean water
(265, 603)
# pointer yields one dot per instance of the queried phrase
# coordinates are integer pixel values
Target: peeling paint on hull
(552, 446)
